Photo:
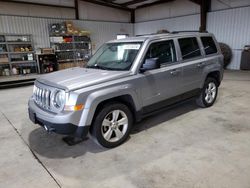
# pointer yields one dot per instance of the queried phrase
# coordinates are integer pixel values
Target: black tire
(97, 128)
(227, 53)
(201, 100)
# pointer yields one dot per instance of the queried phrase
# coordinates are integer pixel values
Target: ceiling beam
(108, 1)
(107, 4)
(133, 2)
(204, 8)
(76, 10)
(196, 1)
(38, 4)
(132, 16)
(154, 3)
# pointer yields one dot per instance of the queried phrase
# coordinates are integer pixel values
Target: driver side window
(163, 52)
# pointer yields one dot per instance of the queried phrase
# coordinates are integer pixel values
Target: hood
(75, 78)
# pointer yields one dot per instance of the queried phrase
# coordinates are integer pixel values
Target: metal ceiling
(128, 4)
(133, 4)
(120, 4)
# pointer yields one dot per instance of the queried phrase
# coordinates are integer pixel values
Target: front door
(161, 84)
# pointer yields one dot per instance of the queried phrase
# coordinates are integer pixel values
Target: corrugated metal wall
(90, 11)
(231, 26)
(19, 9)
(38, 27)
(227, 4)
(172, 24)
(87, 11)
(167, 10)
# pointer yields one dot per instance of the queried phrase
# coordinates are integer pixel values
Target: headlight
(59, 99)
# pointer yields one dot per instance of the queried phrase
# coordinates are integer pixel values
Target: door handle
(200, 65)
(175, 72)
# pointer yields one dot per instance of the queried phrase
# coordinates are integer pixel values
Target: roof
(143, 38)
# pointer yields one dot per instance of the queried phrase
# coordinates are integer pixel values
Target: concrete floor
(184, 147)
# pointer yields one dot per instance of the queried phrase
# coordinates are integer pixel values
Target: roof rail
(174, 32)
(188, 31)
(147, 34)
(160, 32)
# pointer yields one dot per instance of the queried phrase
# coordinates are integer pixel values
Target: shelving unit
(17, 55)
(47, 63)
(71, 50)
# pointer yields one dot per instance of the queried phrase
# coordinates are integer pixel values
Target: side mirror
(150, 64)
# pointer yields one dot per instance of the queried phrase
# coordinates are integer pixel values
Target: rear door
(192, 62)
(210, 49)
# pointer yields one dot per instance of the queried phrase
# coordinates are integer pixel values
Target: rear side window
(189, 48)
(209, 45)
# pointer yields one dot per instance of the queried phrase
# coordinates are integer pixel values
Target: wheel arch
(95, 101)
(216, 75)
(213, 71)
(124, 99)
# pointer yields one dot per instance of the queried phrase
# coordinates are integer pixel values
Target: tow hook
(49, 129)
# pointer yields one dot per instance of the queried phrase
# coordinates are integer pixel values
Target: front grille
(42, 97)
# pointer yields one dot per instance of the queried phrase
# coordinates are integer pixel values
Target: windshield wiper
(99, 67)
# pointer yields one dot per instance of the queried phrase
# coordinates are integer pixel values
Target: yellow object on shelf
(69, 24)
(84, 33)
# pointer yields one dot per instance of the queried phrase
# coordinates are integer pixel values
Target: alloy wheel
(210, 92)
(114, 126)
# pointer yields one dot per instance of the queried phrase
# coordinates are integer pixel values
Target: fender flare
(209, 69)
(95, 98)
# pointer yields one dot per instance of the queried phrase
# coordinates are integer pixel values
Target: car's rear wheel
(208, 94)
(112, 125)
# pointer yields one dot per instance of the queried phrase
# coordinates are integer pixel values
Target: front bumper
(58, 124)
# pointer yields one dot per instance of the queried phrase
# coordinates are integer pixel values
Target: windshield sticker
(131, 47)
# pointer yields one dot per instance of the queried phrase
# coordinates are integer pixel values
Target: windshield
(115, 56)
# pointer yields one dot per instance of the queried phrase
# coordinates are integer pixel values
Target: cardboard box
(4, 60)
(47, 50)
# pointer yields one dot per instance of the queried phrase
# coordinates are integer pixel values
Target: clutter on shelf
(17, 55)
(72, 45)
(66, 28)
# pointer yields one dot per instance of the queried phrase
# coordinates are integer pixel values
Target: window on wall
(209, 45)
(189, 48)
(163, 51)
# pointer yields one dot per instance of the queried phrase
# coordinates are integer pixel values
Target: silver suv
(125, 81)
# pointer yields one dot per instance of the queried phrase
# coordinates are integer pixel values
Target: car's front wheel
(208, 94)
(112, 125)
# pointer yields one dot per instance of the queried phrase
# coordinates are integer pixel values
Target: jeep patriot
(127, 80)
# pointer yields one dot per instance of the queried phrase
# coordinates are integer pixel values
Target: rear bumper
(60, 128)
